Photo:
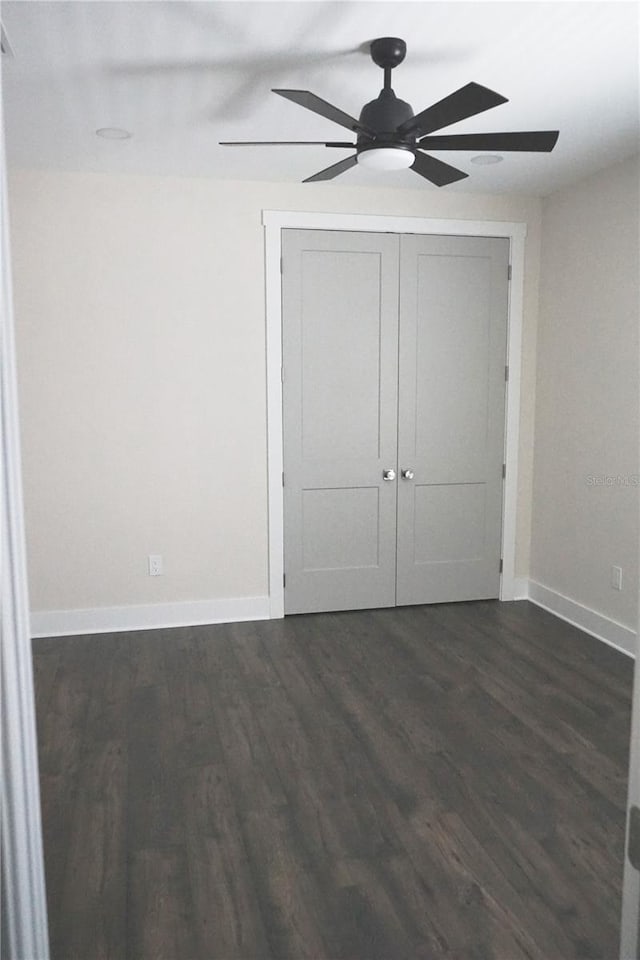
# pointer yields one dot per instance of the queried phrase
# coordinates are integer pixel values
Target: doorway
(275, 223)
(393, 401)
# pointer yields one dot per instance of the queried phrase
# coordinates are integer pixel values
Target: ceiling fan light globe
(386, 158)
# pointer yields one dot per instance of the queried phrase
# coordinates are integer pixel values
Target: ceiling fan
(390, 137)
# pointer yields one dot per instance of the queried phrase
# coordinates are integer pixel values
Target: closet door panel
(340, 356)
(453, 322)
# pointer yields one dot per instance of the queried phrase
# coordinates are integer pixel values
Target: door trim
(22, 875)
(274, 221)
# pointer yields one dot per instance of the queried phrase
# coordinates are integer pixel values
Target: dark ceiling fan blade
(535, 141)
(334, 170)
(284, 143)
(309, 100)
(436, 171)
(465, 102)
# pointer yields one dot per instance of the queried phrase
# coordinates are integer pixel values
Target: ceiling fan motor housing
(384, 115)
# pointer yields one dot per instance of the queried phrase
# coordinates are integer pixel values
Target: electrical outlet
(155, 565)
(616, 578)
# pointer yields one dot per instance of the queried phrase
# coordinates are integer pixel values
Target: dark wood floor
(425, 782)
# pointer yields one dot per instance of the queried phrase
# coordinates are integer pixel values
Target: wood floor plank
(301, 681)
(444, 782)
(254, 663)
(190, 698)
(148, 666)
(247, 757)
(581, 661)
(160, 917)
(107, 717)
(67, 686)
(505, 899)
(227, 918)
(154, 801)
(520, 691)
(375, 918)
(442, 889)
(332, 795)
(94, 888)
(45, 668)
(220, 666)
(577, 681)
(297, 917)
(66, 712)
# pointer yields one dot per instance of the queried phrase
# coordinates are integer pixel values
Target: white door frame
(274, 221)
(23, 902)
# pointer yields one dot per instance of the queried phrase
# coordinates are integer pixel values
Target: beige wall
(141, 353)
(587, 394)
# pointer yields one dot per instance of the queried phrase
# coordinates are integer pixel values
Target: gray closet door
(453, 324)
(340, 346)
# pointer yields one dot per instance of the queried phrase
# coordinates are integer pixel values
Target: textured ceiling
(181, 76)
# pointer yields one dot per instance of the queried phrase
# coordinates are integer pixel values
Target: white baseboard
(153, 616)
(65, 623)
(592, 622)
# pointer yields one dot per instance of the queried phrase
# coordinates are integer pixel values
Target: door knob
(407, 474)
(388, 474)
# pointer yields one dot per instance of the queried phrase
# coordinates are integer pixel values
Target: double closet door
(393, 408)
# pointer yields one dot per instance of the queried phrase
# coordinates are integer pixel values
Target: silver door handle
(407, 474)
(388, 474)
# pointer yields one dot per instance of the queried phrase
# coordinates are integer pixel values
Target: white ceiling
(183, 75)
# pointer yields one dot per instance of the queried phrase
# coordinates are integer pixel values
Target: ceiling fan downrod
(388, 52)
